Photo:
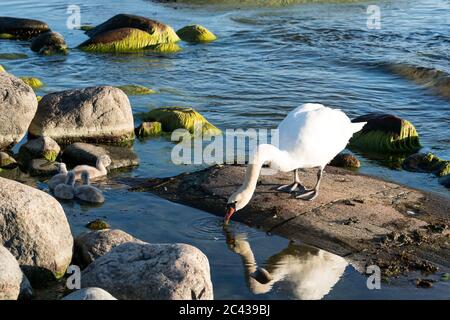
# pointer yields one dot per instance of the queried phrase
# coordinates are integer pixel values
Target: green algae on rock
(148, 129)
(160, 32)
(345, 160)
(13, 56)
(49, 43)
(35, 83)
(166, 48)
(86, 28)
(98, 224)
(134, 90)
(427, 162)
(196, 33)
(2, 69)
(173, 118)
(22, 29)
(385, 133)
(119, 40)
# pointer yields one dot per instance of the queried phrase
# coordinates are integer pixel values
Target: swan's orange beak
(231, 209)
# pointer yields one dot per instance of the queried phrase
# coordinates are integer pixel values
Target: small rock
(345, 160)
(98, 225)
(13, 282)
(7, 161)
(445, 277)
(142, 271)
(83, 153)
(89, 294)
(34, 83)
(41, 147)
(424, 283)
(148, 129)
(427, 162)
(94, 244)
(196, 33)
(49, 43)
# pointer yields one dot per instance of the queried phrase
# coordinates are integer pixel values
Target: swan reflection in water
(310, 273)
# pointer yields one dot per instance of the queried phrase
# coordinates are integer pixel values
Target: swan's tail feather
(357, 126)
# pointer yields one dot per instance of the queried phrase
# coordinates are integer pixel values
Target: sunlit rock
(89, 294)
(49, 43)
(23, 29)
(196, 33)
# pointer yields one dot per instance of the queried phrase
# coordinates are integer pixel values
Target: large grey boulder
(84, 153)
(34, 228)
(18, 105)
(13, 282)
(141, 271)
(92, 245)
(89, 294)
(95, 114)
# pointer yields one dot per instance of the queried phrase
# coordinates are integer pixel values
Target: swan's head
(236, 202)
(85, 177)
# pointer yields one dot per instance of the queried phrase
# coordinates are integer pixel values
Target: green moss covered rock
(6, 160)
(134, 90)
(196, 33)
(35, 83)
(98, 224)
(13, 56)
(173, 118)
(386, 133)
(148, 129)
(427, 162)
(87, 27)
(345, 160)
(2, 69)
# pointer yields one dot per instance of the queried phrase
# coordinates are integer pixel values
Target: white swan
(88, 193)
(66, 190)
(58, 178)
(309, 137)
(99, 170)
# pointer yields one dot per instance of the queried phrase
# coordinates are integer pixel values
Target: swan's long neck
(264, 153)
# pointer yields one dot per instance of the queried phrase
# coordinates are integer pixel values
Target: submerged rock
(35, 230)
(89, 294)
(95, 114)
(385, 133)
(35, 83)
(160, 32)
(41, 147)
(7, 161)
(445, 181)
(13, 56)
(148, 129)
(196, 33)
(427, 162)
(173, 118)
(13, 283)
(84, 153)
(141, 271)
(345, 160)
(92, 245)
(86, 28)
(49, 43)
(134, 89)
(23, 29)
(18, 106)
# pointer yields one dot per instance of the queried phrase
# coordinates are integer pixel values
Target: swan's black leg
(313, 193)
(293, 186)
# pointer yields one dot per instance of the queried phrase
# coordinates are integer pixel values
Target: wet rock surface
(352, 216)
(23, 29)
(49, 43)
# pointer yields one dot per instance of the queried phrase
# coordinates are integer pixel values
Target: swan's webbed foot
(290, 188)
(308, 195)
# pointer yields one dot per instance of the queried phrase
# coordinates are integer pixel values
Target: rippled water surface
(267, 61)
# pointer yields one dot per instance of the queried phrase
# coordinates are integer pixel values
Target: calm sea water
(267, 61)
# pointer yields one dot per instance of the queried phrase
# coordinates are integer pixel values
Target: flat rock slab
(364, 219)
